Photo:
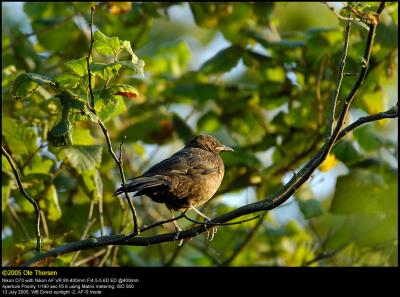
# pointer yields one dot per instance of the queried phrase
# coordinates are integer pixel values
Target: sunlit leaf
(105, 71)
(106, 45)
(25, 84)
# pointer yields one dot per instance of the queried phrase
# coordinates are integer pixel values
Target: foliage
(266, 93)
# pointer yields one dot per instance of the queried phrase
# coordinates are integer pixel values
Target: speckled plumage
(188, 178)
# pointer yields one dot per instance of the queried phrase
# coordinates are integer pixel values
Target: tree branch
(390, 113)
(92, 9)
(31, 200)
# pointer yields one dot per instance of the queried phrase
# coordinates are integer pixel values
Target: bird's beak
(225, 148)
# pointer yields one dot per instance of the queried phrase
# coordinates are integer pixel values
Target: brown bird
(187, 179)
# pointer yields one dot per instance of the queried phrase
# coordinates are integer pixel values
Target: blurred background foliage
(259, 77)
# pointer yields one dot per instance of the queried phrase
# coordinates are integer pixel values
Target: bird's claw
(213, 231)
(180, 242)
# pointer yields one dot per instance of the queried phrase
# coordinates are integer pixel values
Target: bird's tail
(140, 183)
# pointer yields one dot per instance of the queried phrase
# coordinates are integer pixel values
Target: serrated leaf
(83, 157)
(19, 137)
(109, 95)
(60, 134)
(73, 109)
(26, 83)
(105, 45)
(38, 165)
(109, 111)
(105, 71)
(79, 66)
(82, 136)
(68, 80)
(137, 67)
(126, 45)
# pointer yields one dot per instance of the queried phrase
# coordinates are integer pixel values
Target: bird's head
(208, 143)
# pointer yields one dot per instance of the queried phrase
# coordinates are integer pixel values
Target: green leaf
(137, 67)
(60, 134)
(362, 191)
(79, 66)
(92, 184)
(82, 136)
(52, 205)
(126, 45)
(105, 71)
(68, 80)
(346, 152)
(83, 157)
(223, 61)
(6, 184)
(111, 94)
(105, 45)
(20, 138)
(38, 165)
(109, 111)
(73, 110)
(209, 122)
(367, 138)
(367, 202)
(25, 84)
(310, 208)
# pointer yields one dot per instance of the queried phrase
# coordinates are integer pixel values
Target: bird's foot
(213, 231)
(180, 242)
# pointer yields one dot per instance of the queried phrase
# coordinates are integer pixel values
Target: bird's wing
(185, 161)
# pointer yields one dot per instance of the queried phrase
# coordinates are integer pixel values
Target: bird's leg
(213, 229)
(177, 228)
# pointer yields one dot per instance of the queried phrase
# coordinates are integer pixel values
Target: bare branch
(92, 9)
(390, 113)
(31, 200)
(342, 64)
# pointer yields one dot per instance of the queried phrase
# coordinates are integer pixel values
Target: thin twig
(32, 201)
(249, 236)
(342, 65)
(101, 215)
(91, 257)
(340, 16)
(212, 223)
(90, 222)
(44, 223)
(390, 113)
(18, 221)
(174, 256)
(92, 9)
(105, 257)
(145, 228)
